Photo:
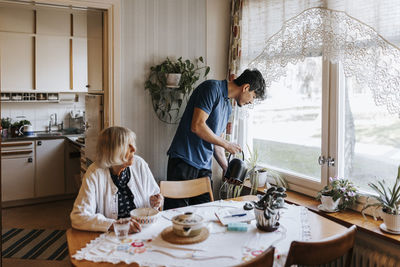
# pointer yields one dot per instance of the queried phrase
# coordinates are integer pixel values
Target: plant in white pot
(259, 175)
(171, 82)
(388, 200)
(266, 209)
(338, 195)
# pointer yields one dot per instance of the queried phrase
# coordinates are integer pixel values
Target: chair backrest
(186, 189)
(266, 259)
(324, 251)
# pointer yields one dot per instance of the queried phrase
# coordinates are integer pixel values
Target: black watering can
(236, 171)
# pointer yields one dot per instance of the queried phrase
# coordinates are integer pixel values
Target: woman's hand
(156, 201)
(134, 227)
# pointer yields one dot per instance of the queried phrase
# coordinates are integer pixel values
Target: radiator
(366, 257)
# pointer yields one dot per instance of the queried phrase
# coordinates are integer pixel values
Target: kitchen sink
(44, 134)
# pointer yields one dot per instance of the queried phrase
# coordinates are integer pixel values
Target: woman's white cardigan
(96, 206)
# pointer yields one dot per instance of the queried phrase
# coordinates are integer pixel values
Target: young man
(198, 136)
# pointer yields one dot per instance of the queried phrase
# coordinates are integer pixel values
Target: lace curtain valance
(365, 54)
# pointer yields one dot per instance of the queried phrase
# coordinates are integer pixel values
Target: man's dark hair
(256, 81)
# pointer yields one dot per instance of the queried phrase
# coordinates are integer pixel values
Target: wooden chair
(186, 189)
(266, 259)
(323, 252)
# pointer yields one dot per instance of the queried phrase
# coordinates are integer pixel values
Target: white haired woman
(116, 183)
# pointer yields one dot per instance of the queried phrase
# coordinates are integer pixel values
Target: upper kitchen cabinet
(53, 63)
(79, 23)
(50, 21)
(95, 50)
(18, 20)
(79, 65)
(17, 62)
(16, 48)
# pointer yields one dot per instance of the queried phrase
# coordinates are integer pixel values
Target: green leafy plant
(340, 188)
(252, 163)
(5, 123)
(271, 201)
(387, 198)
(168, 101)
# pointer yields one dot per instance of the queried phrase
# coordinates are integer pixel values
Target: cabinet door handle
(13, 153)
(39, 143)
(30, 159)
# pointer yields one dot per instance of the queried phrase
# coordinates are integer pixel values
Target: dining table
(222, 248)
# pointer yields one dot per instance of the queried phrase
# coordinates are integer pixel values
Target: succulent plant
(271, 201)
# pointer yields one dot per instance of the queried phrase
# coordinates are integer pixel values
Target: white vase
(391, 221)
(329, 204)
(262, 178)
(173, 79)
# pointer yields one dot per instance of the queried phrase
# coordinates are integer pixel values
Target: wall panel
(151, 31)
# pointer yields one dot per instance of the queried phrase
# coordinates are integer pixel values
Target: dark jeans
(179, 170)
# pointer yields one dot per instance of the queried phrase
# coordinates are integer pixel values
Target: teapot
(237, 170)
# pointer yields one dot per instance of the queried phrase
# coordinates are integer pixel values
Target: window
(314, 112)
(286, 127)
(369, 137)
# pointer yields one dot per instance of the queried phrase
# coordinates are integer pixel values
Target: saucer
(383, 228)
(321, 208)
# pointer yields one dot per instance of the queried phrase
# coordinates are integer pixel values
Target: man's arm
(201, 129)
(219, 155)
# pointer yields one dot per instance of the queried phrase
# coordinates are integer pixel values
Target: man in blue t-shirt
(198, 136)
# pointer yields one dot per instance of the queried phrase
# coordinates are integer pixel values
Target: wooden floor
(53, 215)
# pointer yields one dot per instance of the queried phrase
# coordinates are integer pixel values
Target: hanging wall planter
(170, 83)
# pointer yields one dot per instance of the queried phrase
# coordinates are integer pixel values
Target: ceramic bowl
(145, 216)
(187, 224)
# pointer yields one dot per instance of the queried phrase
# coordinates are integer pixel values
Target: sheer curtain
(362, 34)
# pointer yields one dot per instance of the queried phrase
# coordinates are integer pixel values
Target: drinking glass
(121, 228)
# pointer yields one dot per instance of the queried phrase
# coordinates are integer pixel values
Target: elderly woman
(116, 183)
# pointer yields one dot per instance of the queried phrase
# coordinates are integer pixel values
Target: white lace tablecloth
(221, 248)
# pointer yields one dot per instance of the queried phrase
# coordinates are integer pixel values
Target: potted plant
(388, 199)
(266, 209)
(339, 194)
(170, 82)
(5, 125)
(259, 176)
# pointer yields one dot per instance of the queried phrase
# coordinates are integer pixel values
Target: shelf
(29, 97)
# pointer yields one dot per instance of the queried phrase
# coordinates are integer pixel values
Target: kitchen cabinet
(95, 50)
(17, 54)
(49, 167)
(79, 19)
(53, 63)
(53, 22)
(19, 19)
(72, 169)
(79, 65)
(18, 170)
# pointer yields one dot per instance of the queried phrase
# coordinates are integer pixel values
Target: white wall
(151, 31)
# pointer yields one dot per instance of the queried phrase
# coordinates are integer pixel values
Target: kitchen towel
(41, 244)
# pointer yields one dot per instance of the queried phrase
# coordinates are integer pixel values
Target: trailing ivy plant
(166, 101)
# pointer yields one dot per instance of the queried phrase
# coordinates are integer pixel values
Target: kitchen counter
(47, 135)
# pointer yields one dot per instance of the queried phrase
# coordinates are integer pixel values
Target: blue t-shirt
(212, 97)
